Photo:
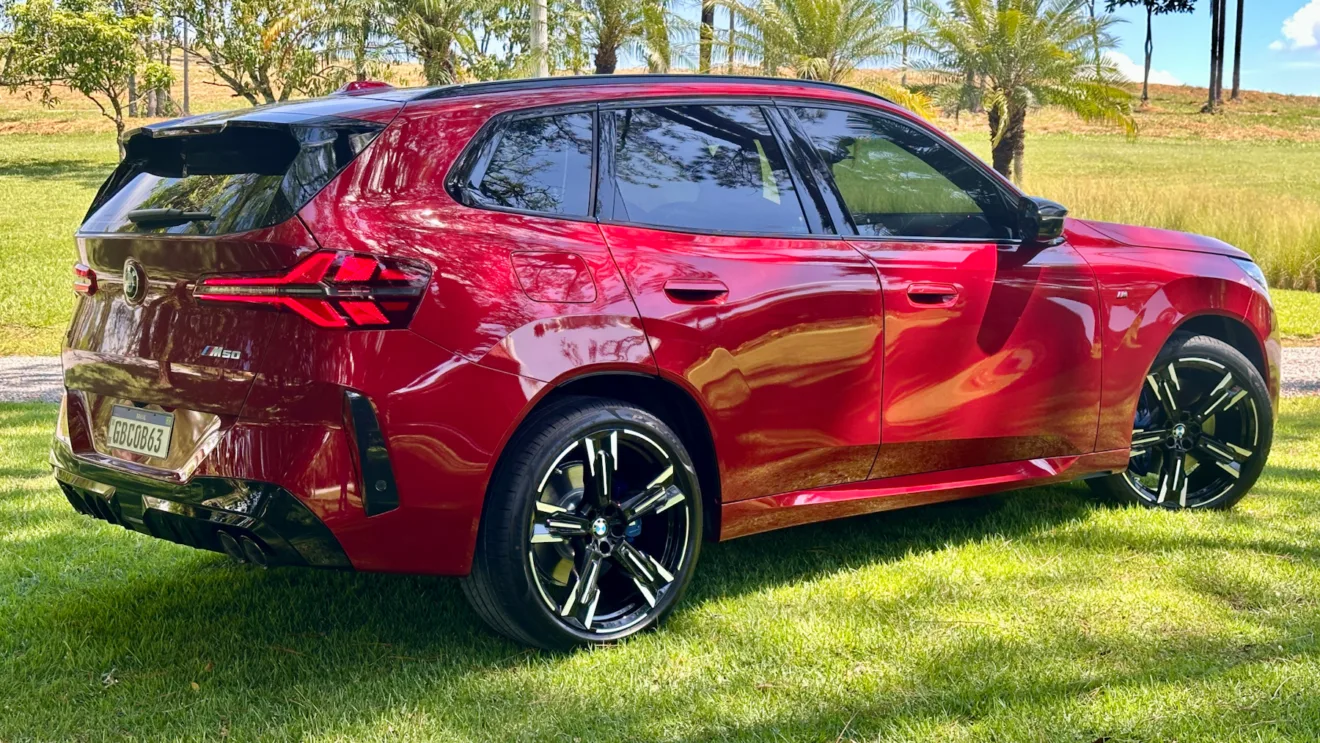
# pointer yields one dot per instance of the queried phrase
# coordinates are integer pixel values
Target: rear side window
(540, 164)
(898, 181)
(703, 168)
(232, 180)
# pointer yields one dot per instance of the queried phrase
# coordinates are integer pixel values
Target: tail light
(331, 289)
(84, 280)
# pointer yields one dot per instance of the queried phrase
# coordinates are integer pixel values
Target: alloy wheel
(1196, 427)
(609, 531)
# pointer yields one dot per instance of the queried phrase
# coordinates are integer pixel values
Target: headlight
(1252, 270)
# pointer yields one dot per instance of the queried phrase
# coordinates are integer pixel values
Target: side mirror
(1040, 221)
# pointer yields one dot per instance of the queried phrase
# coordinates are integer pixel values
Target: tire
(554, 532)
(1203, 405)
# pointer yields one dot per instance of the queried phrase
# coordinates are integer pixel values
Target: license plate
(140, 431)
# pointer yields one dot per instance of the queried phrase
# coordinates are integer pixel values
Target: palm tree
(429, 29)
(643, 26)
(1025, 53)
(819, 39)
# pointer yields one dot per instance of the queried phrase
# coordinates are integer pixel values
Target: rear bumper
(210, 513)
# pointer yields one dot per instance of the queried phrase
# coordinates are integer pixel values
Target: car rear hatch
(197, 197)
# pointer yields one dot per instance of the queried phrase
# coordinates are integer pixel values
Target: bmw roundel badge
(135, 281)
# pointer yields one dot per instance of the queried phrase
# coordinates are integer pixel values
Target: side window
(541, 164)
(898, 181)
(704, 168)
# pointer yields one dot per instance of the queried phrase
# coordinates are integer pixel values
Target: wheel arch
(1230, 329)
(679, 410)
(662, 397)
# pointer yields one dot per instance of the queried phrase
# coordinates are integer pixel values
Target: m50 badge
(216, 352)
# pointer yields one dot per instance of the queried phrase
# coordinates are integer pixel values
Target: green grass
(46, 183)
(1263, 197)
(1298, 313)
(1040, 615)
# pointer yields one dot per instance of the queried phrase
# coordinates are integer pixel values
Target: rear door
(217, 197)
(772, 325)
(992, 351)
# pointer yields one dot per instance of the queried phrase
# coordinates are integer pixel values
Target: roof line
(572, 81)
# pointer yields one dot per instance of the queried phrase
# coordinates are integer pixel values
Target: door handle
(696, 291)
(932, 295)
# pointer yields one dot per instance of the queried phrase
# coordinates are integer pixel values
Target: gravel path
(38, 378)
(30, 379)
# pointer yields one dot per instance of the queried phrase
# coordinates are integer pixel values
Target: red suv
(552, 334)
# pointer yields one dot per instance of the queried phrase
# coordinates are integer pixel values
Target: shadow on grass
(85, 172)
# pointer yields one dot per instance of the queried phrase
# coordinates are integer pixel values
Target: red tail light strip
(351, 299)
(84, 280)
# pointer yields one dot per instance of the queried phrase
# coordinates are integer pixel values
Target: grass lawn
(1041, 615)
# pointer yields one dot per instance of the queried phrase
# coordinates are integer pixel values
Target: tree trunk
(707, 36)
(733, 37)
(119, 125)
(1095, 38)
(1209, 107)
(607, 58)
(360, 47)
(540, 36)
(1220, 56)
(186, 110)
(1237, 55)
(132, 94)
(903, 78)
(165, 98)
(1150, 48)
(1006, 156)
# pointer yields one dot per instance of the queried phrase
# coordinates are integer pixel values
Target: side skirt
(756, 515)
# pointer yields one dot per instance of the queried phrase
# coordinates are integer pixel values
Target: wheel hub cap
(1179, 431)
(600, 527)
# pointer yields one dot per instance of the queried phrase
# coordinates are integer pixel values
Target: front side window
(703, 168)
(898, 181)
(541, 164)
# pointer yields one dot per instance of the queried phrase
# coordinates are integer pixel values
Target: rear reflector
(331, 290)
(84, 280)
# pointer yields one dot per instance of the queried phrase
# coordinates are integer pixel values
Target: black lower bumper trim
(197, 514)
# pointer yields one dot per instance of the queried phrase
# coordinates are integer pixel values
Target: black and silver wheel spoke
(1166, 385)
(1143, 440)
(1228, 457)
(660, 495)
(1173, 478)
(584, 595)
(555, 524)
(602, 455)
(649, 575)
(1224, 397)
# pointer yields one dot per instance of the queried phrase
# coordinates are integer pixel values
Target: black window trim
(470, 166)
(605, 214)
(788, 106)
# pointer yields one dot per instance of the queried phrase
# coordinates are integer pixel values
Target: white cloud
(1134, 70)
(1301, 29)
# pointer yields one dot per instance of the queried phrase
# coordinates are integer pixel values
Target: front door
(775, 328)
(992, 350)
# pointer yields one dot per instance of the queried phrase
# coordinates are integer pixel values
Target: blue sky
(1280, 45)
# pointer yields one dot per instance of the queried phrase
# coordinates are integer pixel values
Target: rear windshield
(237, 179)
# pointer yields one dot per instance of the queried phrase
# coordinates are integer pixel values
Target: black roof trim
(574, 81)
